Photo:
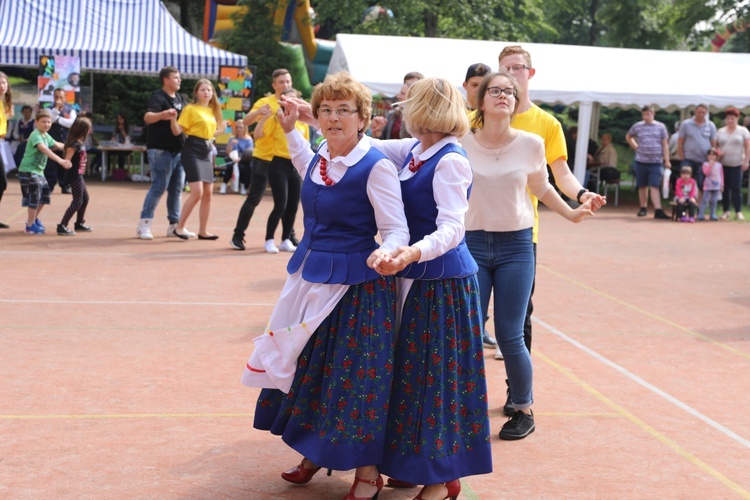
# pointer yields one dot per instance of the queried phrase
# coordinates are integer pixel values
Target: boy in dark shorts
(34, 188)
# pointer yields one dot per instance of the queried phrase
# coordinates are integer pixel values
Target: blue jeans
(168, 175)
(506, 264)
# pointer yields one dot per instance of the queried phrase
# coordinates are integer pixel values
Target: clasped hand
(389, 264)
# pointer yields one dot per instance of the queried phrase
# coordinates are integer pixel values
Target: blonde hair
(341, 87)
(512, 50)
(434, 105)
(8, 97)
(213, 103)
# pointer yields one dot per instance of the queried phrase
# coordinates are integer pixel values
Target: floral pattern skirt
(438, 423)
(336, 410)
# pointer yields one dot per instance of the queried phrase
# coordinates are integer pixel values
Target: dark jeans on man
(286, 184)
(733, 188)
(258, 183)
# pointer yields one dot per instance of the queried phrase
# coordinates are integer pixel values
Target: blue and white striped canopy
(137, 37)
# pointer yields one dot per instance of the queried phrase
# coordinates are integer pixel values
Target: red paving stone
(120, 361)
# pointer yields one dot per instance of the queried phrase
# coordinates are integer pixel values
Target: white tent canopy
(565, 74)
(137, 37)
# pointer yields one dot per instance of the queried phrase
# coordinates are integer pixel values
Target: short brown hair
(42, 113)
(478, 120)
(731, 110)
(279, 72)
(514, 49)
(647, 107)
(340, 87)
(166, 72)
(412, 75)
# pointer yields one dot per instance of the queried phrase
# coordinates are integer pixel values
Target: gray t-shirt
(732, 145)
(697, 139)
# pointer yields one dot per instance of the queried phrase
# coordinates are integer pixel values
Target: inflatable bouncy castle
(311, 55)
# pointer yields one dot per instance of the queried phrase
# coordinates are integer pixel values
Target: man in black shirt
(164, 150)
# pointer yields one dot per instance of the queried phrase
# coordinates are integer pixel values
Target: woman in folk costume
(326, 358)
(438, 423)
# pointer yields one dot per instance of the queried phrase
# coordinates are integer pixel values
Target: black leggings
(732, 188)
(258, 183)
(79, 203)
(285, 187)
(3, 179)
(244, 168)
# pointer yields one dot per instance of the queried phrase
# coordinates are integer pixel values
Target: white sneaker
(498, 353)
(243, 191)
(189, 233)
(143, 231)
(270, 247)
(287, 246)
(223, 188)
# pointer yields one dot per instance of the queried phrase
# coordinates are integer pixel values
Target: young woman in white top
(498, 228)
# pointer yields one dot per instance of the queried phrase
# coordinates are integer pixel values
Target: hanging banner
(236, 94)
(59, 72)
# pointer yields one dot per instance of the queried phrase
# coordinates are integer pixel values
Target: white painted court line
(693, 412)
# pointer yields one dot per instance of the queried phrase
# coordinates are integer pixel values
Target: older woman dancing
(326, 359)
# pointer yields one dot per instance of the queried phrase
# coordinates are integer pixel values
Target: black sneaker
(659, 214)
(81, 226)
(489, 342)
(508, 409)
(518, 426)
(238, 243)
(642, 212)
(64, 231)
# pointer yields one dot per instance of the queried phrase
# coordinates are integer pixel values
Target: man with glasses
(271, 161)
(531, 118)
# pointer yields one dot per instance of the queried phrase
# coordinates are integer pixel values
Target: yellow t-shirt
(539, 122)
(198, 120)
(3, 121)
(264, 147)
(273, 143)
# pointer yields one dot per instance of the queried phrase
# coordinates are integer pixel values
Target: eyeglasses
(496, 91)
(340, 112)
(516, 68)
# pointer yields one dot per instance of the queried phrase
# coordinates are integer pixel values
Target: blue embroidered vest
(340, 227)
(421, 215)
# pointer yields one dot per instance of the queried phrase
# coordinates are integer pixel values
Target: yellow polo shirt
(537, 121)
(273, 143)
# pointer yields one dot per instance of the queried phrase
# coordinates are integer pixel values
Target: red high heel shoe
(299, 474)
(378, 483)
(454, 488)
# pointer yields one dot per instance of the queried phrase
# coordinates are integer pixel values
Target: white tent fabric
(136, 37)
(565, 74)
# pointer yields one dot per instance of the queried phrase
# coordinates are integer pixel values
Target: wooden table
(107, 148)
